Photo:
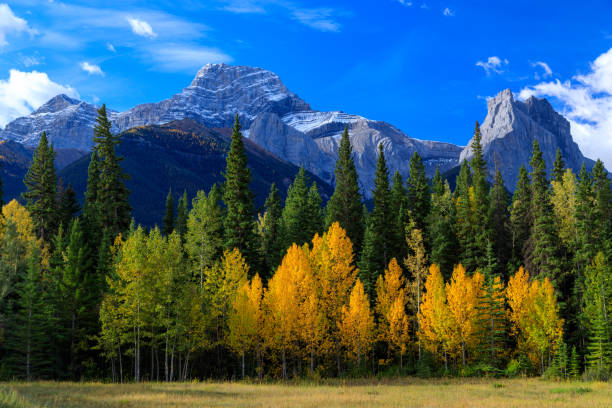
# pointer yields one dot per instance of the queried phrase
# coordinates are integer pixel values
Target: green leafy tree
(41, 190)
(345, 204)
(204, 238)
(239, 221)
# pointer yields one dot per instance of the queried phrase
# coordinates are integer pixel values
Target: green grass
(406, 392)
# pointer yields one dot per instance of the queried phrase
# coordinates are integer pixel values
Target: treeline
(429, 282)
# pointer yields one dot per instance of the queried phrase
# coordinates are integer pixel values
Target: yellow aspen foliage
(331, 259)
(245, 319)
(390, 290)
(283, 304)
(416, 262)
(517, 292)
(535, 317)
(398, 328)
(563, 199)
(436, 322)
(357, 324)
(19, 215)
(462, 295)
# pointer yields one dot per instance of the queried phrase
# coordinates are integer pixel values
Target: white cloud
(319, 19)
(176, 57)
(141, 27)
(91, 69)
(11, 24)
(244, 6)
(110, 47)
(405, 3)
(547, 71)
(448, 12)
(23, 92)
(587, 103)
(493, 64)
(30, 60)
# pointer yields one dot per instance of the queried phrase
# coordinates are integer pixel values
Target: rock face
(217, 93)
(68, 122)
(509, 130)
(272, 117)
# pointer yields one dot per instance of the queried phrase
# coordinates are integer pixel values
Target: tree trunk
(243, 364)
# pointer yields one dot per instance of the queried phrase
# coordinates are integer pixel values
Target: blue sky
(427, 67)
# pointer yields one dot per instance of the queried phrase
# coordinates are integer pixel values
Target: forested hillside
(430, 282)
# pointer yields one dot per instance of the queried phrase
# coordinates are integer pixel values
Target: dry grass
(391, 393)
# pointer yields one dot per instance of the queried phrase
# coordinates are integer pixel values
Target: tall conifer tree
(499, 224)
(480, 205)
(182, 209)
(168, 221)
(345, 204)
(520, 219)
(239, 222)
(558, 167)
(418, 193)
(272, 244)
(41, 190)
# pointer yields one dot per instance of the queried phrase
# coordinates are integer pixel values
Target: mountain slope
(510, 128)
(184, 155)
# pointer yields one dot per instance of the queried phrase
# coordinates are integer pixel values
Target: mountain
(185, 155)
(510, 128)
(68, 122)
(272, 116)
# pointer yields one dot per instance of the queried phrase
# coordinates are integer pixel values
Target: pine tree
(182, 211)
(168, 221)
(41, 188)
(314, 210)
(520, 218)
(480, 204)
(80, 294)
(239, 221)
(491, 312)
(418, 193)
(68, 206)
(30, 327)
(441, 225)
(499, 223)
(272, 240)
(296, 213)
(466, 235)
(558, 167)
(574, 364)
(399, 209)
(345, 204)
(381, 229)
(542, 257)
(112, 195)
(597, 298)
(603, 207)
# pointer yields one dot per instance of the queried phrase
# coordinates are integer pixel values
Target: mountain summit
(510, 128)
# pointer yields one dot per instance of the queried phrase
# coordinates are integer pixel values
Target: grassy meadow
(359, 393)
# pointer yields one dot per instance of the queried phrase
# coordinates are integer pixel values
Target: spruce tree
(602, 193)
(381, 227)
(418, 193)
(314, 209)
(499, 223)
(399, 210)
(441, 226)
(542, 257)
(112, 195)
(466, 236)
(345, 204)
(520, 219)
(272, 240)
(168, 221)
(182, 209)
(41, 190)
(92, 222)
(558, 167)
(368, 260)
(68, 205)
(239, 222)
(574, 364)
(480, 205)
(296, 214)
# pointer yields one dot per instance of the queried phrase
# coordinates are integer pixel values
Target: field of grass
(387, 393)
